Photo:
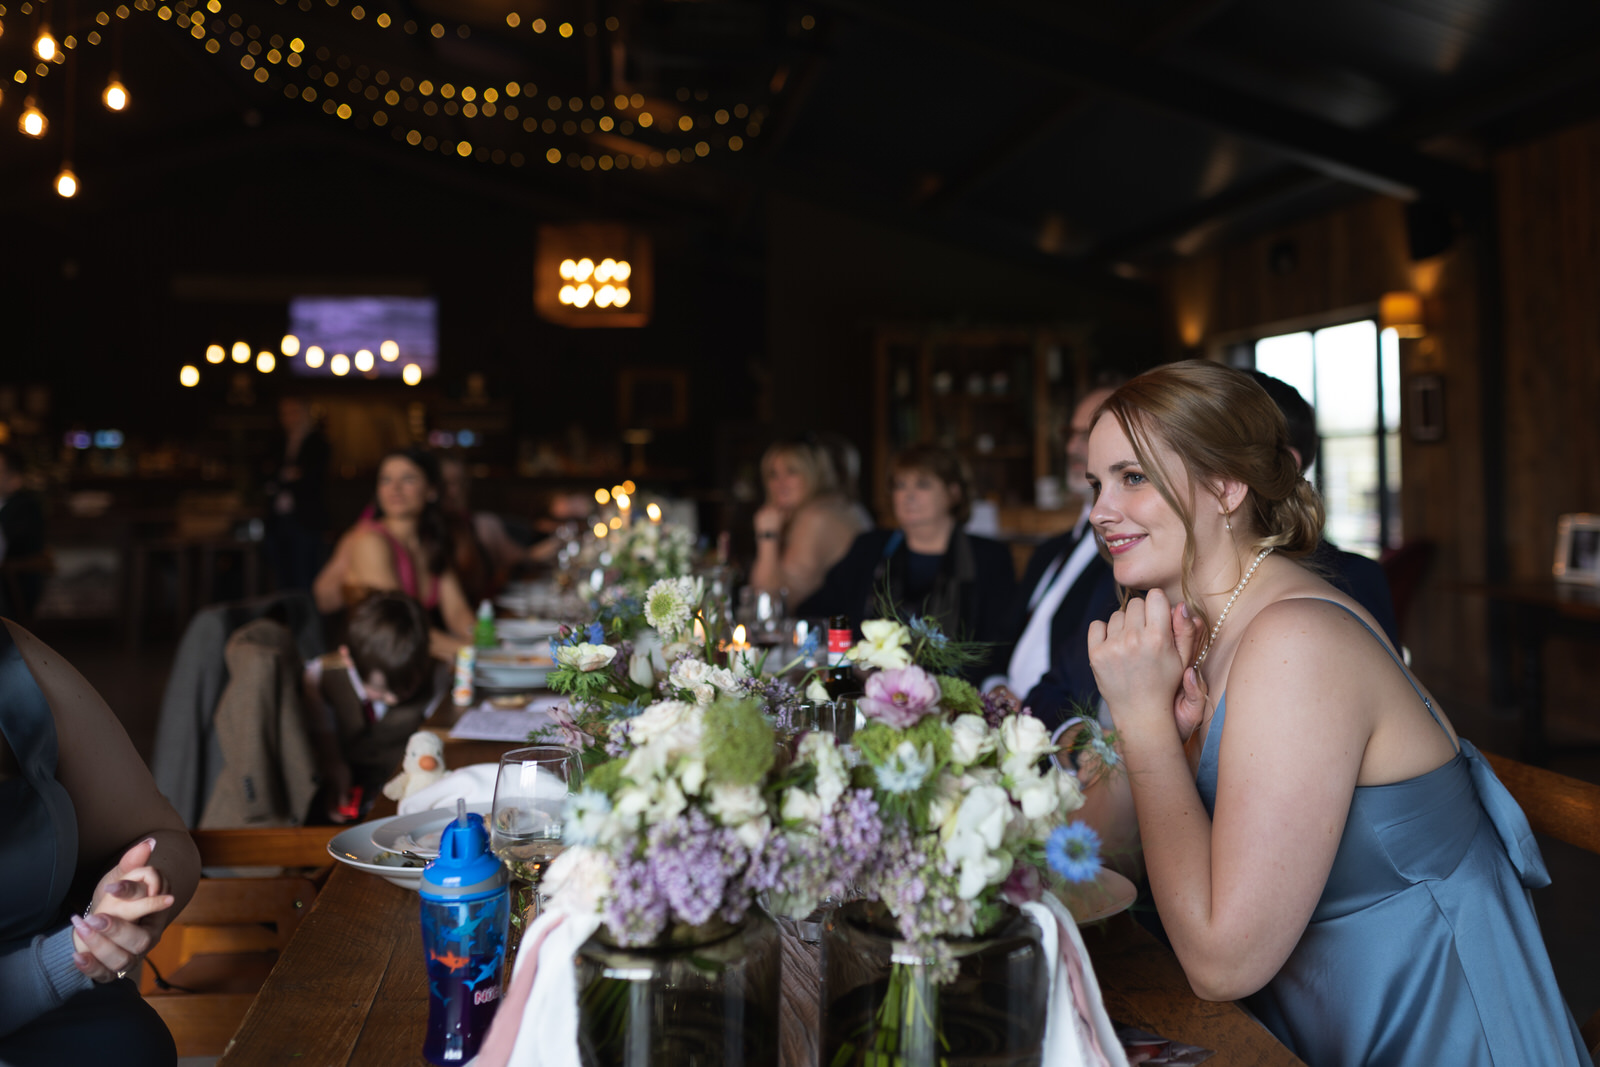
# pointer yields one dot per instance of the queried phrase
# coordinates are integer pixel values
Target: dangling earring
(1227, 520)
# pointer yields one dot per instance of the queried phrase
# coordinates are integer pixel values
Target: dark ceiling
(1075, 134)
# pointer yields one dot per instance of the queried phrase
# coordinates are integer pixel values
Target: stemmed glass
(530, 795)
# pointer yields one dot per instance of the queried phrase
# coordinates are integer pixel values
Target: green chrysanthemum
(958, 696)
(739, 742)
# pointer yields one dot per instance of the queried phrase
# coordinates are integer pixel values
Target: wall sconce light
(1402, 312)
(593, 274)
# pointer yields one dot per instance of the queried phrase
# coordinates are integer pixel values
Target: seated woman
(403, 545)
(1319, 841)
(805, 526)
(929, 565)
(84, 825)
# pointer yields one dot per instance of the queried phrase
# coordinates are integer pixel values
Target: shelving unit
(996, 395)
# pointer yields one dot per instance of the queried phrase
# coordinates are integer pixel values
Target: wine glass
(530, 794)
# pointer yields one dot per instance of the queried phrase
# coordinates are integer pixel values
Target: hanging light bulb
(45, 46)
(116, 94)
(67, 182)
(33, 123)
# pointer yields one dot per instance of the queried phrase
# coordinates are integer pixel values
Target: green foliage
(584, 685)
(606, 778)
(958, 696)
(739, 742)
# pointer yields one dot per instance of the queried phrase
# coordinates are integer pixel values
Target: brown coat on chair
(268, 775)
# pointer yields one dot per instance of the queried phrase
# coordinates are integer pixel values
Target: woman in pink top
(405, 546)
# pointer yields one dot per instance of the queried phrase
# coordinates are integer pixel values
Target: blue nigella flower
(925, 629)
(1074, 852)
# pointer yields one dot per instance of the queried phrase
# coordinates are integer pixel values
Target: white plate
(520, 659)
(510, 677)
(420, 831)
(525, 631)
(354, 848)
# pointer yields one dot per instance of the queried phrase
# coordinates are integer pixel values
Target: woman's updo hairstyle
(1223, 426)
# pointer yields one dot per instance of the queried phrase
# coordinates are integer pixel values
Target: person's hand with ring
(114, 934)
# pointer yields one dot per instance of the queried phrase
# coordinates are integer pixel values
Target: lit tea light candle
(654, 511)
(624, 508)
(699, 633)
(739, 644)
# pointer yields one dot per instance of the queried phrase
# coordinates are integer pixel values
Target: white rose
(984, 812)
(1069, 792)
(692, 775)
(754, 832)
(688, 673)
(630, 803)
(801, 806)
(970, 740)
(735, 805)
(883, 645)
(639, 670)
(704, 693)
(723, 679)
(1036, 794)
(833, 777)
(666, 717)
(585, 657)
(668, 803)
(816, 693)
(1024, 741)
(578, 881)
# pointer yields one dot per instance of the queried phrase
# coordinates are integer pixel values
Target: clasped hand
(1141, 658)
(120, 926)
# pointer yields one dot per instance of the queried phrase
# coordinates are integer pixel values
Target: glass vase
(884, 1004)
(704, 996)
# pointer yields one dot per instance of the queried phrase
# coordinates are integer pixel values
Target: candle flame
(738, 634)
(654, 511)
(623, 502)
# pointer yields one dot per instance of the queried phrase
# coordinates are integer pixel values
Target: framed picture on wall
(1578, 549)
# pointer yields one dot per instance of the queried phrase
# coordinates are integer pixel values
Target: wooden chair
(213, 958)
(1566, 809)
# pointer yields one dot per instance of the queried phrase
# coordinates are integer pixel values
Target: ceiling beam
(1177, 20)
(1337, 151)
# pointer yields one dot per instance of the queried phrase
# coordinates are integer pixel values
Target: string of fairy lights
(347, 90)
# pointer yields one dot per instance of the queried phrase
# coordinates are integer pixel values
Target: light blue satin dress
(1424, 948)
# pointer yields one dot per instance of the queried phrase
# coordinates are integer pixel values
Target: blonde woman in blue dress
(1319, 842)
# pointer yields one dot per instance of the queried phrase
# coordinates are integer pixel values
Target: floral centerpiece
(632, 558)
(973, 821)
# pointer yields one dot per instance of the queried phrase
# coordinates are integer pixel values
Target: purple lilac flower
(1074, 851)
(900, 696)
(636, 912)
(693, 860)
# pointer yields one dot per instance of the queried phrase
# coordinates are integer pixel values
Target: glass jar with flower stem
(530, 795)
(954, 1002)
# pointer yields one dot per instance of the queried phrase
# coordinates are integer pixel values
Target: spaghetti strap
(1398, 662)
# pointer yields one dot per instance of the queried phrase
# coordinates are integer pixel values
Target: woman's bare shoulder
(828, 511)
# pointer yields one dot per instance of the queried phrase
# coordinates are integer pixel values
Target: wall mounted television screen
(350, 324)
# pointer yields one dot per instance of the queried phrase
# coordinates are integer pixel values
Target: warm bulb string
(357, 93)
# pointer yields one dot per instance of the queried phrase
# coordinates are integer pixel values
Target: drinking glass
(530, 795)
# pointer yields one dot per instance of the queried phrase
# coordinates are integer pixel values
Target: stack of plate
(378, 847)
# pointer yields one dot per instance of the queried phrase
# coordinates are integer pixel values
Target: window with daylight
(1350, 373)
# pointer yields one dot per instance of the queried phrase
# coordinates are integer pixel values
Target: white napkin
(537, 1024)
(474, 784)
(1079, 1032)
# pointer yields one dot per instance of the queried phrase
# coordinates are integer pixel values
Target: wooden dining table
(351, 987)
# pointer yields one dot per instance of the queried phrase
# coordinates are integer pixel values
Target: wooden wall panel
(1550, 234)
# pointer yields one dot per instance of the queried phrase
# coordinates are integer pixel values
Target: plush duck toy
(423, 765)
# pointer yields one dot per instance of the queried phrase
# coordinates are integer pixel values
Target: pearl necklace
(1204, 652)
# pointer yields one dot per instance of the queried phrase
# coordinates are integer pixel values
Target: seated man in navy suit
(1067, 585)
